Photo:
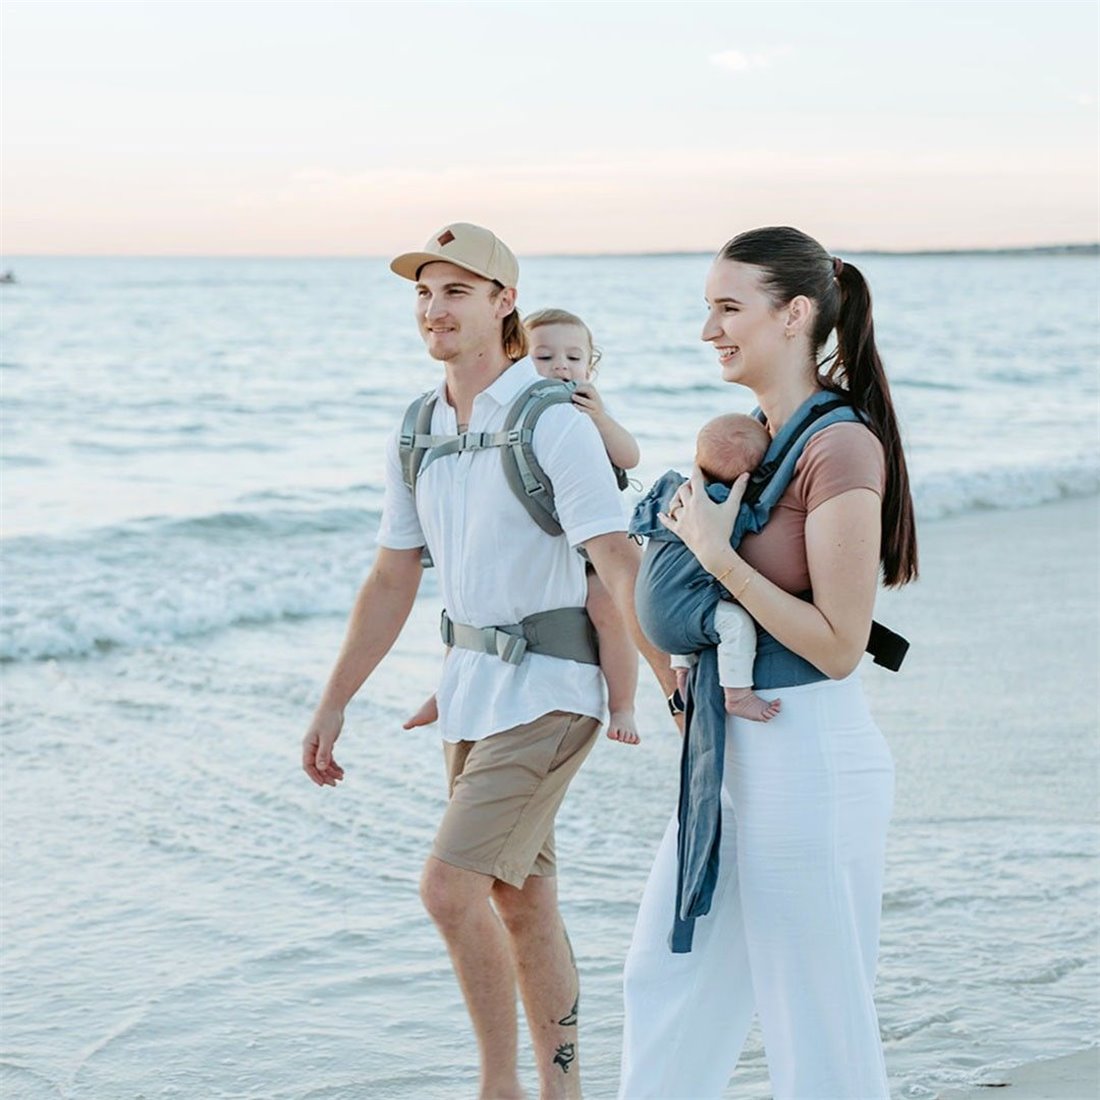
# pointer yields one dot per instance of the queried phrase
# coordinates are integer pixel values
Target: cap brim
(408, 264)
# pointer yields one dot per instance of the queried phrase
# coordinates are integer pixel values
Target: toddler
(562, 348)
(725, 448)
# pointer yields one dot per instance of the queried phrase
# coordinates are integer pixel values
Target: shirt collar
(507, 387)
(516, 378)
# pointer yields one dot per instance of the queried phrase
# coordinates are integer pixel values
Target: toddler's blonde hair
(563, 317)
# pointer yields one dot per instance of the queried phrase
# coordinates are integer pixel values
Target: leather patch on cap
(444, 238)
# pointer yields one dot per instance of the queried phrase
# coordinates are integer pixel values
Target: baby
(562, 348)
(725, 448)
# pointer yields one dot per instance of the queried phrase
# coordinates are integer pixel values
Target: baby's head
(561, 345)
(729, 445)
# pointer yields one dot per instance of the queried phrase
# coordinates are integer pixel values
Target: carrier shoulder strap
(770, 480)
(418, 448)
(773, 475)
(525, 476)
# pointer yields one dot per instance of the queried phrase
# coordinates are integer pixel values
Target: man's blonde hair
(512, 333)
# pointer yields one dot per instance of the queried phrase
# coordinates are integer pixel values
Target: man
(514, 734)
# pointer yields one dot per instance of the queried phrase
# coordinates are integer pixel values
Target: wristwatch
(675, 703)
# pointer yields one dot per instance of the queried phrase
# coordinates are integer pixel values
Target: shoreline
(1069, 1077)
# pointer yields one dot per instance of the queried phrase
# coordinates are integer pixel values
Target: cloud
(737, 61)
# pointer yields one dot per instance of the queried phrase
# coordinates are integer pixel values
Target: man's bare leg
(548, 981)
(458, 901)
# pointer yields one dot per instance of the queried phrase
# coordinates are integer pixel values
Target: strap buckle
(510, 648)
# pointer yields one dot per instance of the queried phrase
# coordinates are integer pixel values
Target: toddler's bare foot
(622, 727)
(425, 716)
(745, 703)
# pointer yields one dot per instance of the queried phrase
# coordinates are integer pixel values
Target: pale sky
(262, 128)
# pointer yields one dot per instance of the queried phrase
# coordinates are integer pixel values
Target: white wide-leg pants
(794, 924)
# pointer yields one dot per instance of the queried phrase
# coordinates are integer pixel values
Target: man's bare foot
(622, 727)
(745, 703)
(425, 716)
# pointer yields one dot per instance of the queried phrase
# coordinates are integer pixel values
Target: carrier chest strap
(439, 446)
(565, 632)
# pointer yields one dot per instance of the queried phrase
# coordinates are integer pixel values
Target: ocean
(191, 485)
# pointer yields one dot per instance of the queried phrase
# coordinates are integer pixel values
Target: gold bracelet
(748, 580)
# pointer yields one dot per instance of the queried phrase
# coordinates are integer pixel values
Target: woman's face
(748, 333)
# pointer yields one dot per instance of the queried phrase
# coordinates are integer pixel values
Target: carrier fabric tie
(675, 599)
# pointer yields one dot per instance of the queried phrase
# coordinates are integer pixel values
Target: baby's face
(561, 351)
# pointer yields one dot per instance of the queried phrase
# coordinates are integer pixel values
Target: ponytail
(857, 369)
(794, 264)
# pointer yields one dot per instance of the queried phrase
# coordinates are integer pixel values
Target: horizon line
(1076, 247)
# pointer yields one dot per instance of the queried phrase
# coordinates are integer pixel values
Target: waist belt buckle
(511, 648)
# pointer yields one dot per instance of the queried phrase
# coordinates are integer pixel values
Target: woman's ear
(799, 314)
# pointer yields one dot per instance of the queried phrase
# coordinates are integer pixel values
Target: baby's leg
(618, 661)
(736, 653)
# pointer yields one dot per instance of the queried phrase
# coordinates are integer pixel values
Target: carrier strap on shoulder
(419, 448)
(564, 632)
(797, 436)
(526, 477)
(770, 480)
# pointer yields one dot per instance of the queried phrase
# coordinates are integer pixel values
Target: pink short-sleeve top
(836, 459)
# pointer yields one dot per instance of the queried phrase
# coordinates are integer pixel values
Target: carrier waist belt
(565, 632)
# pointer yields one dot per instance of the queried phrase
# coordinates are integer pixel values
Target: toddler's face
(561, 351)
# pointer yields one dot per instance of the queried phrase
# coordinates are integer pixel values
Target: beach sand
(146, 848)
(1003, 679)
(1074, 1077)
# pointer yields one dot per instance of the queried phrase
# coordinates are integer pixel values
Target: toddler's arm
(622, 448)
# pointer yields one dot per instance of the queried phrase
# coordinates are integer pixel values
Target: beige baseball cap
(466, 246)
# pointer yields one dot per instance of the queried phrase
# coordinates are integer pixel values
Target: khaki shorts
(505, 792)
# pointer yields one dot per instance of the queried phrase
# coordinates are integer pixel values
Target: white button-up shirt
(496, 565)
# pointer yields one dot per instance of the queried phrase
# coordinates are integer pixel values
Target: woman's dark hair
(794, 264)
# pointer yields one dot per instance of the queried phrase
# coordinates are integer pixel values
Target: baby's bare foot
(745, 703)
(622, 727)
(425, 716)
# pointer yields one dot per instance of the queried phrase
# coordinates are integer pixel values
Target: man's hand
(380, 610)
(317, 746)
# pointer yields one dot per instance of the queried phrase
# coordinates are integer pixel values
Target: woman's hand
(704, 526)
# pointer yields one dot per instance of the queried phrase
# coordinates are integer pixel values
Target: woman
(792, 931)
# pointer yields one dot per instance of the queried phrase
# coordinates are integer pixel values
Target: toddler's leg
(736, 653)
(618, 661)
(425, 716)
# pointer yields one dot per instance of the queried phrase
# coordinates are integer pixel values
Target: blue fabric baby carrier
(676, 598)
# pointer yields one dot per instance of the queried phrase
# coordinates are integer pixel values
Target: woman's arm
(622, 448)
(843, 538)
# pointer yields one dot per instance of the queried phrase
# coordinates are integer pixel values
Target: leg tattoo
(564, 1056)
(570, 1020)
